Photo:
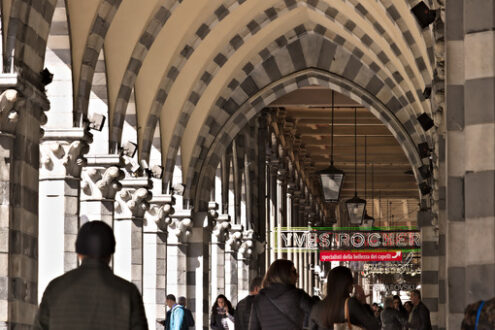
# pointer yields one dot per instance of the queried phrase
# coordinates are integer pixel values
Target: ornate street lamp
(331, 177)
(355, 205)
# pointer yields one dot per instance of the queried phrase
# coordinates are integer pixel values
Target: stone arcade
(194, 163)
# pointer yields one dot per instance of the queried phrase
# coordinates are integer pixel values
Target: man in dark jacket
(391, 318)
(419, 319)
(91, 296)
(188, 317)
(243, 310)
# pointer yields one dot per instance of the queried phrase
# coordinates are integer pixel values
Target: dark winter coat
(242, 313)
(280, 307)
(419, 318)
(357, 313)
(392, 319)
(91, 297)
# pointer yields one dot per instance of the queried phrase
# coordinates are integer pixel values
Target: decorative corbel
(235, 238)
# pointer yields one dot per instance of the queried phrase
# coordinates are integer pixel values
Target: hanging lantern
(355, 205)
(331, 178)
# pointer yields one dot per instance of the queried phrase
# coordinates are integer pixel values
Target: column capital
(10, 100)
(221, 227)
(133, 200)
(235, 238)
(101, 178)
(181, 225)
(247, 245)
(161, 209)
(62, 152)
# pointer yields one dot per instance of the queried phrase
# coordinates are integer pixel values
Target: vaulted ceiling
(200, 69)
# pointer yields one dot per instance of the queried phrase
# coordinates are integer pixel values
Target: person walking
(280, 305)
(391, 318)
(419, 319)
(222, 314)
(175, 315)
(338, 308)
(188, 317)
(91, 296)
(243, 309)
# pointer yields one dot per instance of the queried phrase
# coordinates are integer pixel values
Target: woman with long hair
(222, 314)
(338, 307)
(280, 305)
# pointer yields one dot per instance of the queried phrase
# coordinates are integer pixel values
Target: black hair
(215, 304)
(95, 239)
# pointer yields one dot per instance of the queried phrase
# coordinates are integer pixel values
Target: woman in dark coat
(280, 305)
(222, 314)
(331, 310)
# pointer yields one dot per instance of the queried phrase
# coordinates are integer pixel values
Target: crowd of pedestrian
(92, 297)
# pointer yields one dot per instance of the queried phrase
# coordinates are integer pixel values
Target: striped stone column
(198, 258)
(429, 263)
(479, 157)
(281, 205)
(131, 204)
(179, 230)
(61, 162)
(20, 119)
(221, 226)
(154, 257)
(455, 237)
(245, 255)
(231, 271)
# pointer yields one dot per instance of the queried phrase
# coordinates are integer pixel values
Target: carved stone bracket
(62, 152)
(234, 240)
(101, 178)
(181, 225)
(133, 199)
(9, 101)
(220, 222)
(163, 208)
(248, 244)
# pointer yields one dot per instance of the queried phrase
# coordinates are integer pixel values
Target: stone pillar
(280, 209)
(272, 206)
(179, 228)
(220, 230)
(131, 204)
(470, 157)
(198, 279)
(231, 275)
(61, 162)
(154, 256)
(20, 132)
(100, 183)
(244, 257)
(429, 263)
(289, 207)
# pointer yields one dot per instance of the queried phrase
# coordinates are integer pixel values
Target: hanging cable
(331, 136)
(355, 151)
(372, 190)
